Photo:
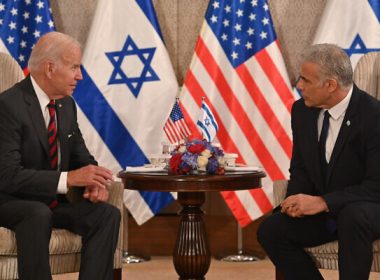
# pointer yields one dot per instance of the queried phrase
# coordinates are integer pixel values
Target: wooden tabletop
(156, 181)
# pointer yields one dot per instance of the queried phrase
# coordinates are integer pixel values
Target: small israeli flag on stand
(207, 122)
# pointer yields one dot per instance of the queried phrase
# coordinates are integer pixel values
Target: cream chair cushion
(10, 72)
(367, 73)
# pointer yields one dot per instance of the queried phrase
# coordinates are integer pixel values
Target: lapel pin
(348, 123)
(69, 136)
(60, 105)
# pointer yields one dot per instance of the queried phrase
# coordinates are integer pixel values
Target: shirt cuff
(62, 184)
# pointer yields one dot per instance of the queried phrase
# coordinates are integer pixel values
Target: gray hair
(50, 46)
(333, 62)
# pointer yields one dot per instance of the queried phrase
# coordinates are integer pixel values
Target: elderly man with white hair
(42, 157)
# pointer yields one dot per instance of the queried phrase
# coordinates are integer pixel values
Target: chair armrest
(116, 190)
(115, 198)
(279, 191)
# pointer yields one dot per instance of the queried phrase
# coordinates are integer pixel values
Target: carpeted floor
(161, 268)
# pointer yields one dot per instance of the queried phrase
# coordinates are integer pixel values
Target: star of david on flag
(128, 74)
(126, 94)
(22, 23)
(207, 123)
(238, 67)
(354, 25)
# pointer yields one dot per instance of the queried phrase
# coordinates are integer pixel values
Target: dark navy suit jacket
(24, 161)
(354, 168)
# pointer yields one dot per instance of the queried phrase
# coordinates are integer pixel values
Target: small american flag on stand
(22, 23)
(176, 128)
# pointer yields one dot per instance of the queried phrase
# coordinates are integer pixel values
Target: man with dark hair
(334, 186)
(42, 157)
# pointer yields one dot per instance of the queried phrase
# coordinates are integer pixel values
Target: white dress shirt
(337, 114)
(44, 100)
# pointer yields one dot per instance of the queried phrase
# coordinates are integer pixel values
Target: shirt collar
(43, 99)
(340, 109)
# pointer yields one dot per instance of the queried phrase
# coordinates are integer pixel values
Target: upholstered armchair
(326, 255)
(367, 73)
(64, 246)
(10, 72)
(366, 77)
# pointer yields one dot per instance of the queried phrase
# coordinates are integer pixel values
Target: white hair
(50, 47)
(333, 62)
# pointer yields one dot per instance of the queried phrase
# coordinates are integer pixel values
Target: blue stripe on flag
(156, 200)
(123, 146)
(204, 130)
(375, 7)
(107, 123)
(210, 115)
(148, 9)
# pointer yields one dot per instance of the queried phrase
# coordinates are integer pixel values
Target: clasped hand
(299, 205)
(95, 180)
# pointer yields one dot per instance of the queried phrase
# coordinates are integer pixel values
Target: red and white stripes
(251, 104)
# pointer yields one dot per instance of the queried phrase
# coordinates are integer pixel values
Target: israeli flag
(127, 92)
(354, 25)
(207, 123)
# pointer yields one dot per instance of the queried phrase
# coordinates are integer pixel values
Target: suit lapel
(348, 123)
(314, 150)
(34, 110)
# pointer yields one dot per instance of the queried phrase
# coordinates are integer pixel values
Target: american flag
(238, 67)
(22, 23)
(175, 128)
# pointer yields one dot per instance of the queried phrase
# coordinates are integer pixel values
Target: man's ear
(49, 69)
(332, 85)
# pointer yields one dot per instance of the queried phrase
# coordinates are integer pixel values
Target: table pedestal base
(191, 255)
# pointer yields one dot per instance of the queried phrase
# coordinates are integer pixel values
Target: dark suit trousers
(284, 238)
(32, 222)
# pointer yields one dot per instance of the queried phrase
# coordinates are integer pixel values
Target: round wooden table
(191, 254)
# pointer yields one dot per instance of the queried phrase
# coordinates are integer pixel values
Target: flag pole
(240, 256)
(127, 257)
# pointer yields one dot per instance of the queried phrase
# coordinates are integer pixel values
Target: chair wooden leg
(117, 273)
(279, 275)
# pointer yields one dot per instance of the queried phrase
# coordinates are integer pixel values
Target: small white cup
(230, 159)
(159, 159)
(167, 147)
